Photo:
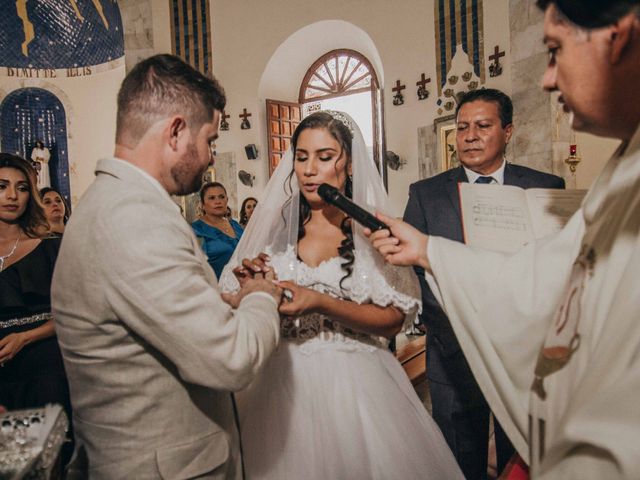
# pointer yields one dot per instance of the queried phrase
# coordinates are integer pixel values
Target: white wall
(262, 49)
(247, 35)
(90, 107)
(594, 152)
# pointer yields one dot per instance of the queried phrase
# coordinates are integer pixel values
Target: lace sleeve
(228, 282)
(383, 284)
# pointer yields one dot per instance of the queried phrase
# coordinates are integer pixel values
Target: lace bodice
(369, 283)
(315, 330)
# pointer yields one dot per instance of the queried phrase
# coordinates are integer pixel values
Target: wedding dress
(333, 403)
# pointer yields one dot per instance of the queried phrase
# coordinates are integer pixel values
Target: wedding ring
(287, 295)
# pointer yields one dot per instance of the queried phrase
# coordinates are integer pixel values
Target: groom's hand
(252, 268)
(252, 285)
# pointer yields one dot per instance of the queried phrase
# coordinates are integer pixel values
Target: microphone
(332, 196)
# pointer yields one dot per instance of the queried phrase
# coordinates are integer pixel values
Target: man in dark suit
(484, 128)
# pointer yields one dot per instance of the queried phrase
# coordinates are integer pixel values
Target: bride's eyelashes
(323, 159)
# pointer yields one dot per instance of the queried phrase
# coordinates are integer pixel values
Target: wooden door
(282, 120)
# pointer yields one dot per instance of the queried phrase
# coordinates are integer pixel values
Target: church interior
(398, 68)
(401, 67)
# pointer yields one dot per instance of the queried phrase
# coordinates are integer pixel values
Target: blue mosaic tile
(63, 36)
(32, 114)
(194, 33)
(469, 15)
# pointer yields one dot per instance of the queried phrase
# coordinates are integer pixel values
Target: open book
(504, 218)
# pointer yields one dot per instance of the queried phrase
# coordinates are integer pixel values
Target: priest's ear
(623, 34)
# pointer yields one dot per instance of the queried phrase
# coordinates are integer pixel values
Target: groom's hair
(162, 86)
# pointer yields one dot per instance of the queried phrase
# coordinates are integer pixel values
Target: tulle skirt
(339, 413)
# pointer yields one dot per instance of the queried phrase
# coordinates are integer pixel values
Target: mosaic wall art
(32, 114)
(190, 32)
(458, 24)
(59, 34)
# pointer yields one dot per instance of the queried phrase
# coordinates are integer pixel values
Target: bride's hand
(266, 284)
(256, 268)
(298, 300)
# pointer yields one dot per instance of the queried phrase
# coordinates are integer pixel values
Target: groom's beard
(187, 174)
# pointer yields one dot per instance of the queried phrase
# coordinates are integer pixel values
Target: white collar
(498, 175)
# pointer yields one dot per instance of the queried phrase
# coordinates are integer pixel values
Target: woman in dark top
(248, 206)
(218, 234)
(55, 210)
(31, 369)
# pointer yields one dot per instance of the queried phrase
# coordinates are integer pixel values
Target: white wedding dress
(334, 404)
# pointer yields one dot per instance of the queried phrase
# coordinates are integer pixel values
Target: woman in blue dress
(218, 234)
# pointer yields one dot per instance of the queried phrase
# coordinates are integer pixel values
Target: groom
(150, 348)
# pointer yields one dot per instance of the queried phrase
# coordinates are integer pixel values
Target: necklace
(4, 257)
(224, 226)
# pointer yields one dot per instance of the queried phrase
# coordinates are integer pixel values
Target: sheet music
(495, 217)
(552, 209)
(505, 218)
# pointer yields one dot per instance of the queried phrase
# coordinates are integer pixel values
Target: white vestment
(552, 333)
(42, 156)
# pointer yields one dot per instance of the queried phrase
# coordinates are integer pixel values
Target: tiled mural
(190, 32)
(59, 34)
(31, 114)
(458, 23)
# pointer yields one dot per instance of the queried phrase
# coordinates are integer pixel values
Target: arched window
(338, 73)
(339, 80)
(346, 80)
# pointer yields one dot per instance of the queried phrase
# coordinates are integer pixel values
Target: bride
(332, 402)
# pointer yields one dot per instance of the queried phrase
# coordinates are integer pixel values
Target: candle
(573, 149)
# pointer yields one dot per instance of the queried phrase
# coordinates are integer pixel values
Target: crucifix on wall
(495, 69)
(245, 125)
(224, 125)
(398, 98)
(423, 93)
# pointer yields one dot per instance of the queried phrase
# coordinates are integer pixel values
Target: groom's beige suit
(150, 348)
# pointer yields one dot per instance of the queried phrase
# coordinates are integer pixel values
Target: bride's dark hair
(342, 134)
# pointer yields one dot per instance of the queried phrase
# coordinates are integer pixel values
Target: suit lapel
(514, 177)
(457, 175)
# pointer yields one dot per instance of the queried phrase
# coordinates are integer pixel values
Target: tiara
(342, 117)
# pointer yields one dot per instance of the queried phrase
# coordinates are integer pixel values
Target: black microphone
(332, 196)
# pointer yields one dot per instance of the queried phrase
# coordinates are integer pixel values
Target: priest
(552, 333)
